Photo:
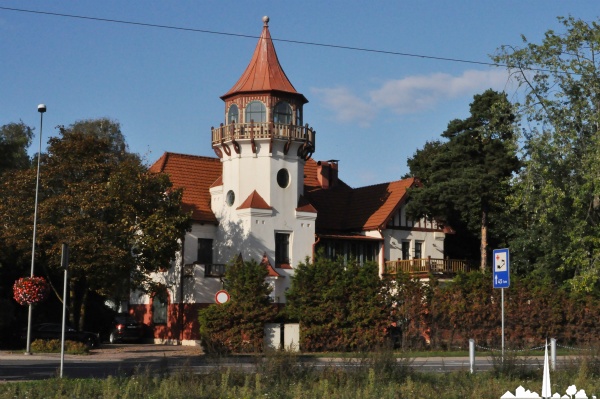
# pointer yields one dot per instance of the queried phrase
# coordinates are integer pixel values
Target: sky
(372, 110)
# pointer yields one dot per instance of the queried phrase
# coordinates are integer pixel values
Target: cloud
(409, 95)
(346, 106)
(417, 93)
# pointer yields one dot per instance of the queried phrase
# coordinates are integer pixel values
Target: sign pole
(501, 279)
(502, 325)
(64, 262)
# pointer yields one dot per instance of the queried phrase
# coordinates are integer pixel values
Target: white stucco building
(263, 197)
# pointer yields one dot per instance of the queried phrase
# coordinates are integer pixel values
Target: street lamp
(41, 110)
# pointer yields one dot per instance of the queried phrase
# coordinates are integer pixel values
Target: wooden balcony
(426, 266)
(254, 130)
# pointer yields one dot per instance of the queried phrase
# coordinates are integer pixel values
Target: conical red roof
(263, 73)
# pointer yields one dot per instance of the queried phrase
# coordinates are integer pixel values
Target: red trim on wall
(173, 329)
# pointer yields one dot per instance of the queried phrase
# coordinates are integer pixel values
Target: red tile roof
(195, 174)
(344, 209)
(255, 201)
(272, 272)
(340, 209)
(264, 72)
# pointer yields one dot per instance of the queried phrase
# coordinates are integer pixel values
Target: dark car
(125, 328)
(54, 331)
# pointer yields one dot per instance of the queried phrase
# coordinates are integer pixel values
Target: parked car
(54, 331)
(125, 328)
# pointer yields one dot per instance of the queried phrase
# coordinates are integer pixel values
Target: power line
(336, 46)
(430, 57)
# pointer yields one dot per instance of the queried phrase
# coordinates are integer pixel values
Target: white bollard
(472, 354)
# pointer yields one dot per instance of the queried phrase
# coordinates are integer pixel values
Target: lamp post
(41, 110)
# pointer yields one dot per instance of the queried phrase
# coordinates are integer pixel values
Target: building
(263, 197)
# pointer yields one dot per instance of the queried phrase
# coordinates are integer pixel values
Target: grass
(283, 375)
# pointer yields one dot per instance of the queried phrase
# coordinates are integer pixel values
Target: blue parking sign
(501, 268)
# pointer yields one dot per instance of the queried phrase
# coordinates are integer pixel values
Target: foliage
(15, 138)
(409, 302)
(557, 196)
(339, 307)
(238, 325)
(99, 199)
(465, 179)
(53, 346)
(30, 290)
(371, 379)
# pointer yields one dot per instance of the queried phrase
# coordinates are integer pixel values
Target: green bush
(238, 325)
(53, 346)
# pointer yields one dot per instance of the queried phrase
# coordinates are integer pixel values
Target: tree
(238, 325)
(557, 194)
(339, 306)
(120, 221)
(15, 138)
(466, 178)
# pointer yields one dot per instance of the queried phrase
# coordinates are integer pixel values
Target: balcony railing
(427, 265)
(253, 130)
(214, 270)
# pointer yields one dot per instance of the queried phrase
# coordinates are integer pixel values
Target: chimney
(327, 173)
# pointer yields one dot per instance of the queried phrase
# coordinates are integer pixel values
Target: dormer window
(256, 111)
(282, 113)
(233, 114)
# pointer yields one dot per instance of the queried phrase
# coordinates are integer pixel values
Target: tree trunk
(484, 244)
(72, 302)
(82, 309)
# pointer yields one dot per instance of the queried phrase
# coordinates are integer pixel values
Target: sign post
(501, 278)
(64, 262)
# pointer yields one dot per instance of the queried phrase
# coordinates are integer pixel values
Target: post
(472, 354)
(502, 325)
(41, 110)
(553, 353)
(64, 263)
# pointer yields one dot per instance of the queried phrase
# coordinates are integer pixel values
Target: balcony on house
(214, 270)
(425, 266)
(262, 130)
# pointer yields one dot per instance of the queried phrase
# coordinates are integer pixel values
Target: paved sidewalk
(115, 352)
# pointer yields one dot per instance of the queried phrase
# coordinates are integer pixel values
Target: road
(124, 360)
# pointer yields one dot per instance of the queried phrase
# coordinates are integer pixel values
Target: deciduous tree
(120, 221)
(15, 138)
(558, 194)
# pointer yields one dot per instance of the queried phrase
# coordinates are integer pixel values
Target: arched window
(282, 113)
(233, 114)
(160, 304)
(256, 111)
(299, 116)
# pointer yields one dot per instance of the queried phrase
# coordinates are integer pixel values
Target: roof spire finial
(266, 20)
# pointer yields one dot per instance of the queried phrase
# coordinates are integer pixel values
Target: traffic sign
(501, 268)
(222, 297)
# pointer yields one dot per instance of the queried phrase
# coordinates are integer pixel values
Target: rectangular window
(205, 251)
(282, 249)
(418, 250)
(405, 250)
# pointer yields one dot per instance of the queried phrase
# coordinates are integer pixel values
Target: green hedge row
(348, 307)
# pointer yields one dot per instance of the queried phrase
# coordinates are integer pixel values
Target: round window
(230, 197)
(283, 178)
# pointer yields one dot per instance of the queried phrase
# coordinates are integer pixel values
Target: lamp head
(42, 108)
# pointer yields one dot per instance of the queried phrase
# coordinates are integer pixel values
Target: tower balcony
(262, 130)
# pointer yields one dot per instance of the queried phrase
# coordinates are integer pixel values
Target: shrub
(53, 346)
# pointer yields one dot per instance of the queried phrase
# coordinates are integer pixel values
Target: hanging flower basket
(30, 290)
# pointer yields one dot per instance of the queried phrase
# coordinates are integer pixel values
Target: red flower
(30, 290)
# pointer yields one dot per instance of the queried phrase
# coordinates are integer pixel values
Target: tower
(263, 146)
